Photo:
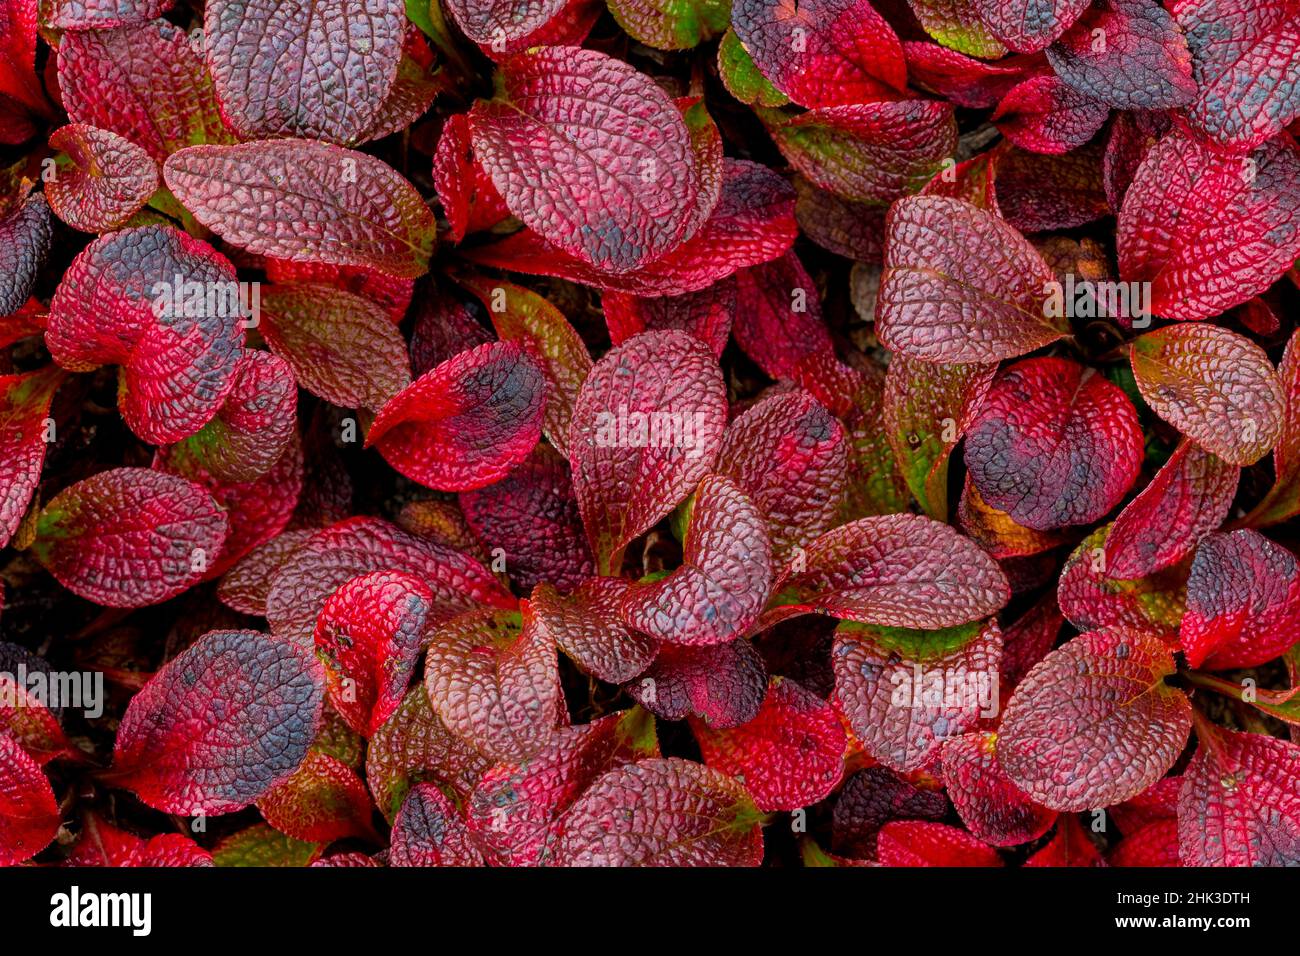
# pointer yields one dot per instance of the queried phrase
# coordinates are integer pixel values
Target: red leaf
(1155, 844)
(1215, 386)
(903, 692)
(586, 626)
(144, 82)
(779, 316)
(706, 314)
(1188, 498)
(492, 677)
(960, 285)
(789, 756)
(358, 545)
(24, 409)
(221, 724)
(1038, 193)
(646, 428)
(430, 831)
(104, 14)
(307, 202)
(822, 53)
(26, 688)
(322, 802)
(1029, 25)
(319, 69)
(29, 817)
(1091, 597)
(1234, 43)
(1094, 722)
(531, 518)
(251, 431)
(989, 804)
(245, 586)
(394, 293)
(103, 180)
(968, 82)
(1240, 802)
(175, 326)
(129, 536)
(661, 812)
(515, 804)
(896, 571)
(1054, 444)
(873, 797)
(1207, 229)
(790, 456)
(1283, 500)
(626, 185)
(1243, 602)
(341, 345)
(752, 223)
(724, 684)
(1044, 115)
(519, 315)
(920, 843)
(468, 422)
(1070, 847)
(369, 636)
(868, 152)
(500, 28)
(927, 409)
(25, 236)
(416, 746)
(725, 577)
(1140, 61)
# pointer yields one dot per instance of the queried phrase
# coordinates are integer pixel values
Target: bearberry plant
(632, 432)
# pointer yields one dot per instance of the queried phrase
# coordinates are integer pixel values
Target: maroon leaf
(895, 571)
(1138, 61)
(989, 804)
(307, 202)
(1029, 25)
(960, 285)
(904, 692)
(221, 724)
(1207, 229)
(103, 180)
(468, 422)
(1094, 723)
(356, 546)
(30, 817)
(319, 69)
(661, 812)
(513, 808)
(789, 756)
(1239, 804)
(24, 407)
(1054, 444)
(602, 124)
(822, 53)
(724, 684)
(145, 82)
(492, 678)
(530, 518)
(1243, 602)
(586, 627)
(369, 636)
(430, 831)
(1234, 43)
(1044, 115)
(129, 537)
(646, 428)
(1189, 497)
(790, 456)
(176, 326)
